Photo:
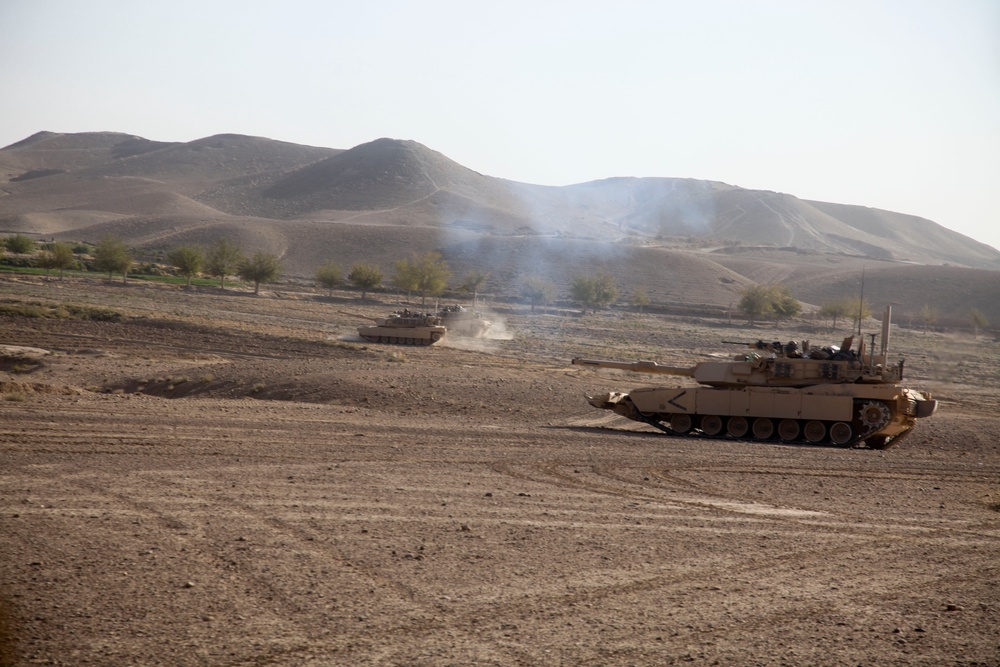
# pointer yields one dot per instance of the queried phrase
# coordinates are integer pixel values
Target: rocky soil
(219, 479)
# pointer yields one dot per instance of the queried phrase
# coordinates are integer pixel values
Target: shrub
(20, 244)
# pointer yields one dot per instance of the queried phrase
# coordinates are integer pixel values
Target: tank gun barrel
(755, 345)
(635, 366)
(364, 317)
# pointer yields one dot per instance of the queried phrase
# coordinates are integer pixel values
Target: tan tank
(464, 322)
(403, 328)
(781, 392)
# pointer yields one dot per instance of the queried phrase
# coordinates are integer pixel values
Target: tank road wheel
(814, 431)
(681, 423)
(435, 337)
(763, 428)
(788, 430)
(711, 425)
(738, 427)
(841, 433)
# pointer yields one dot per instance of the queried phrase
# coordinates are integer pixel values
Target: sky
(891, 104)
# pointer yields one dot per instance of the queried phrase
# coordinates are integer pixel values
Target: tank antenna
(861, 306)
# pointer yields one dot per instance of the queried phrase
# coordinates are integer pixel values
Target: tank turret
(786, 391)
(402, 328)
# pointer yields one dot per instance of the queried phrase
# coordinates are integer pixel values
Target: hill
(684, 240)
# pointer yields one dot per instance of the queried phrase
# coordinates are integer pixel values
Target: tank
(782, 392)
(464, 322)
(402, 328)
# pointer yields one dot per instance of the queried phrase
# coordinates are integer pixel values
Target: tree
(20, 244)
(844, 307)
(978, 321)
(834, 310)
(929, 315)
(859, 310)
(640, 298)
(57, 256)
(756, 302)
(405, 278)
(785, 305)
(111, 255)
(595, 291)
(427, 274)
(188, 261)
(223, 259)
(474, 281)
(329, 276)
(263, 267)
(538, 291)
(759, 301)
(365, 277)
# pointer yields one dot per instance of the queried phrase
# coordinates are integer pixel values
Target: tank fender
(616, 401)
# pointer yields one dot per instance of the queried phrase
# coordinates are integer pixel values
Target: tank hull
(847, 415)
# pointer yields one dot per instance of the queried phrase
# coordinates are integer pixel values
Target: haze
(894, 105)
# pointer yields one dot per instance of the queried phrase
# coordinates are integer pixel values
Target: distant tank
(464, 322)
(781, 392)
(403, 328)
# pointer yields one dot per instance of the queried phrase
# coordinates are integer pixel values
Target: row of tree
(223, 259)
(428, 276)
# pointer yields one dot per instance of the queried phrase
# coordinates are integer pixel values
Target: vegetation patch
(59, 311)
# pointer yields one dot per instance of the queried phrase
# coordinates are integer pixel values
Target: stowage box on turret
(781, 392)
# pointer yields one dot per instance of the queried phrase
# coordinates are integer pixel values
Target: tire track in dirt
(268, 591)
(716, 500)
(419, 616)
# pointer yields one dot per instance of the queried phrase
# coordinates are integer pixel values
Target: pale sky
(893, 104)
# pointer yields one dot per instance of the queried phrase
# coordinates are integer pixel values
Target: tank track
(400, 340)
(857, 441)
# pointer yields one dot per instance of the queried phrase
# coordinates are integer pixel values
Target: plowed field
(219, 479)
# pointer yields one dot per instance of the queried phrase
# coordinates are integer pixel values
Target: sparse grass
(341, 345)
(257, 388)
(59, 311)
(15, 396)
(395, 356)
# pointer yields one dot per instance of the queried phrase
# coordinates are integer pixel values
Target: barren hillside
(683, 240)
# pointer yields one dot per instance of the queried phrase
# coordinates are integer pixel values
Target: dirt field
(220, 479)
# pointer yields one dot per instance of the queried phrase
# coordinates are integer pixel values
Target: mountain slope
(686, 241)
(389, 181)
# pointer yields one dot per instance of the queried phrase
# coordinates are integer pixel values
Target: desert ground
(221, 479)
